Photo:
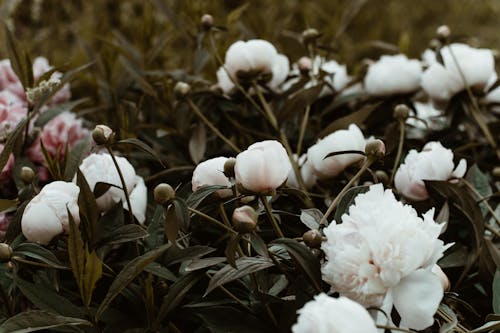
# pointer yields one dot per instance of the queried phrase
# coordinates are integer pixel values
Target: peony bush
(258, 190)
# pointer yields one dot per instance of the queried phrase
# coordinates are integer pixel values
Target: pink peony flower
(12, 111)
(434, 162)
(63, 129)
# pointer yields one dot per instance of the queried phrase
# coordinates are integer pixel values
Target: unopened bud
(245, 219)
(375, 149)
(27, 175)
(382, 176)
(181, 89)
(207, 22)
(34, 95)
(5, 252)
(102, 135)
(164, 194)
(443, 33)
(305, 65)
(312, 238)
(229, 167)
(310, 35)
(435, 44)
(496, 172)
(401, 112)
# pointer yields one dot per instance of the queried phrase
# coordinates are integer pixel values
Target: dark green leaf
(158, 270)
(172, 224)
(304, 259)
(228, 273)
(220, 319)
(197, 197)
(144, 147)
(496, 292)
(6, 204)
(11, 141)
(100, 188)
(230, 251)
(89, 213)
(127, 275)
(20, 61)
(311, 217)
(111, 221)
(196, 264)
(36, 251)
(156, 234)
(126, 233)
(91, 274)
(488, 327)
(175, 255)
(48, 300)
(299, 101)
(259, 245)
(75, 157)
(347, 200)
(357, 117)
(31, 321)
(182, 213)
(176, 294)
(75, 251)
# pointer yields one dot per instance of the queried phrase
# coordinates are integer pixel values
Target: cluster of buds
(44, 88)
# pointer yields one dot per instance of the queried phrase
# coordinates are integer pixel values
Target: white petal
(460, 170)
(417, 298)
(138, 200)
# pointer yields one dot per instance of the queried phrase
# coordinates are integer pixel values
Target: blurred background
(66, 31)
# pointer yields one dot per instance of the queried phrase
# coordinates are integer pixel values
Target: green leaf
(197, 197)
(158, 270)
(299, 101)
(91, 274)
(230, 251)
(481, 183)
(197, 263)
(31, 321)
(89, 213)
(75, 157)
(311, 217)
(176, 294)
(20, 61)
(228, 273)
(357, 117)
(48, 300)
(128, 274)
(126, 233)
(54, 111)
(488, 327)
(496, 292)
(304, 259)
(175, 255)
(142, 146)
(100, 188)
(39, 252)
(218, 319)
(112, 220)
(75, 251)
(6, 204)
(348, 200)
(156, 234)
(172, 224)
(448, 327)
(11, 141)
(14, 228)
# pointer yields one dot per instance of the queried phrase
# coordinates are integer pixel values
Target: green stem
(302, 131)
(339, 196)
(212, 220)
(124, 185)
(214, 129)
(400, 149)
(267, 109)
(270, 215)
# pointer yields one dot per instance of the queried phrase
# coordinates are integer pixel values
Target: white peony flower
(255, 56)
(99, 168)
(441, 82)
(46, 215)
(326, 314)
(435, 120)
(382, 255)
(211, 172)
(434, 162)
(262, 167)
(392, 75)
(306, 171)
(349, 139)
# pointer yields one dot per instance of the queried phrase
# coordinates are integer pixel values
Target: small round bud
(207, 22)
(229, 167)
(5, 252)
(245, 219)
(305, 65)
(27, 175)
(102, 135)
(181, 89)
(164, 194)
(496, 172)
(435, 44)
(310, 35)
(312, 238)
(375, 149)
(443, 33)
(401, 112)
(382, 176)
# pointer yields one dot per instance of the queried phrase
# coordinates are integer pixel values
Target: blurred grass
(68, 32)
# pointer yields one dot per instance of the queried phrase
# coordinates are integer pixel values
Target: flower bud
(443, 33)
(102, 135)
(229, 167)
(375, 149)
(5, 252)
(496, 172)
(310, 35)
(164, 194)
(207, 22)
(305, 65)
(382, 176)
(27, 175)
(312, 238)
(181, 89)
(434, 44)
(244, 219)
(401, 112)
